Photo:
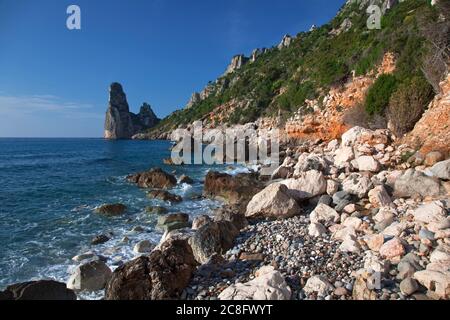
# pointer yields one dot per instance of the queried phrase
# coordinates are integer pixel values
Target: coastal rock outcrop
(256, 54)
(91, 276)
(285, 42)
(111, 210)
(164, 196)
(173, 222)
(38, 290)
(236, 190)
(155, 178)
(195, 98)
(236, 63)
(120, 123)
(147, 117)
(161, 275)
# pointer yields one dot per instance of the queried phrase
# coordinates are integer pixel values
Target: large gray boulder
(431, 212)
(91, 276)
(273, 202)
(307, 185)
(235, 190)
(307, 162)
(414, 183)
(441, 170)
(213, 238)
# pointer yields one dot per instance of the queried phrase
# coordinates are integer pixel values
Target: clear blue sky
(53, 81)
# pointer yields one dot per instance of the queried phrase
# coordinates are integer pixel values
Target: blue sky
(53, 81)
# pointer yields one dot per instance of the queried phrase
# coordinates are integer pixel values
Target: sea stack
(147, 117)
(120, 123)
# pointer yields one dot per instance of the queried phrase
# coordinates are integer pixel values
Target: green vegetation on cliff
(279, 81)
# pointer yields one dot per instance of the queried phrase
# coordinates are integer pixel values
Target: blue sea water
(50, 187)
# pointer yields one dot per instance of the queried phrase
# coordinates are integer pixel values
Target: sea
(49, 189)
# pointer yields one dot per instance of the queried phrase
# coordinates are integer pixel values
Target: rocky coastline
(361, 218)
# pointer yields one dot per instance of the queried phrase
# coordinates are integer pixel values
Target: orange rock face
(432, 132)
(328, 123)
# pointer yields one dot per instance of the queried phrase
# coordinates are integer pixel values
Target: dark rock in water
(186, 179)
(156, 210)
(160, 276)
(116, 209)
(120, 123)
(155, 178)
(236, 190)
(134, 178)
(164, 196)
(100, 239)
(38, 290)
(173, 222)
(213, 238)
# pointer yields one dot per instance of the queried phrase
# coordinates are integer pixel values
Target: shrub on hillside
(356, 116)
(408, 103)
(379, 94)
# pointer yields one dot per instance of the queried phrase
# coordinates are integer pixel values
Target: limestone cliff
(120, 123)
(314, 85)
(236, 63)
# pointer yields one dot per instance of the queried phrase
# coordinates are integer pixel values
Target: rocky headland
(120, 123)
(347, 219)
(358, 208)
